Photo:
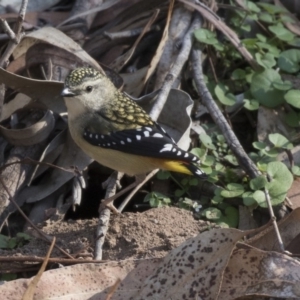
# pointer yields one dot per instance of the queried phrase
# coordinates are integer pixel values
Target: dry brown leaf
(56, 38)
(120, 62)
(159, 50)
(34, 134)
(46, 92)
(289, 227)
(194, 268)
(254, 272)
(18, 102)
(71, 155)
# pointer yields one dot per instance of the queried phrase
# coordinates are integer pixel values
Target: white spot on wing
(167, 147)
(174, 150)
(102, 136)
(138, 137)
(194, 158)
(179, 153)
(146, 133)
(158, 135)
(84, 133)
(91, 135)
(149, 128)
(108, 144)
(129, 140)
(122, 142)
(186, 155)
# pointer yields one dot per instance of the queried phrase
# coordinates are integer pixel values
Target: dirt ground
(130, 236)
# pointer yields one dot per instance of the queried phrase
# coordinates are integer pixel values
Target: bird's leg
(107, 203)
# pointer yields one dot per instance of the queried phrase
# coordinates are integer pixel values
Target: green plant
(15, 242)
(156, 199)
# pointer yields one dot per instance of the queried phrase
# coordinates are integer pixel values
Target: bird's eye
(89, 88)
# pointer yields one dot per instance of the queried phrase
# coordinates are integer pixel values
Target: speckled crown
(78, 75)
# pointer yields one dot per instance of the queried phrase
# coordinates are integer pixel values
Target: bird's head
(87, 87)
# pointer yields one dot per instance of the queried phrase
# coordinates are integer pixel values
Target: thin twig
(245, 162)
(8, 30)
(18, 35)
(176, 69)
(134, 191)
(234, 144)
(105, 216)
(41, 233)
(59, 260)
(273, 219)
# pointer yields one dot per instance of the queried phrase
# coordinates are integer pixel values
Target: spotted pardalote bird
(116, 132)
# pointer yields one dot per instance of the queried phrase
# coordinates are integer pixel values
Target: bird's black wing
(145, 141)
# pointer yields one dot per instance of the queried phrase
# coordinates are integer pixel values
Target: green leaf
(259, 145)
(292, 119)
(271, 48)
(12, 243)
(178, 193)
(267, 60)
(248, 199)
(252, 6)
(206, 141)
(206, 36)
(281, 32)
(267, 18)
(223, 96)
(251, 104)
(232, 190)
(3, 241)
(263, 90)
(209, 161)
(231, 159)
(283, 85)
(212, 213)
(199, 152)
(238, 74)
(231, 217)
(295, 42)
(260, 198)
(193, 181)
(157, 199)
(295, 171)
(292, 97)
(217, 199)
(162, 174)
(289, 60)
(258, 183)
(271, 8)
(280, 183)
(280, 141)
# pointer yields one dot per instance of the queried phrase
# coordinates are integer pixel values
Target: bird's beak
(66, 92)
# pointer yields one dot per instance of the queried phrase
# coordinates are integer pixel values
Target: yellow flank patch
(175, 166)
